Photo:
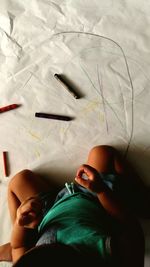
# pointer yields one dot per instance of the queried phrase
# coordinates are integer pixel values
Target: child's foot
(5, 252)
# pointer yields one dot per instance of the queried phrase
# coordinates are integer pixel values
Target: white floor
(102, 47)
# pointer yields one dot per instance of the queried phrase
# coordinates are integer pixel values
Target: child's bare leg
(132, 190)
(129, 246)
(5, 252)
(101, 158)
(23, 185)
(136, 193)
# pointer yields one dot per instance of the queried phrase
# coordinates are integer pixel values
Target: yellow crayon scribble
(62, 130)
(101, 117)
(37, 153)
(90, 106)
(34, 136)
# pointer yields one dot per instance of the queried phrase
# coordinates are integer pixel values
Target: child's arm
(104, 194)
(24, 232)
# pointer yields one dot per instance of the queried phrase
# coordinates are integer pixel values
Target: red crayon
(9, 107)
(5, 162)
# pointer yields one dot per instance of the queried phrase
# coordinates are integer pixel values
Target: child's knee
(24, 173)
(103, 149)
(19, 178)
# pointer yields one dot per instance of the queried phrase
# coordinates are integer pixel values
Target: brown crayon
(65, 84)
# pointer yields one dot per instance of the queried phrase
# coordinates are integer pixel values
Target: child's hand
(29, 213)
(93, 181)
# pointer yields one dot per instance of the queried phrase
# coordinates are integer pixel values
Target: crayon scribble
(34, 136)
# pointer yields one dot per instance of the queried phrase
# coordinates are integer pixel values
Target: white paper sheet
(109, 67)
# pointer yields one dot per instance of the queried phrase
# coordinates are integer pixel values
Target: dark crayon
(52, 116)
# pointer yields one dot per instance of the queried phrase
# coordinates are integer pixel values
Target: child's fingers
(27, 213)
(84, 169)
(80, 171)
(25, 209)
(82, 182)
(30, 206)
(25, 219)
(29, 220)
(88, 170)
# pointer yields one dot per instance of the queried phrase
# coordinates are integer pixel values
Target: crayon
(52, 116)
(9, 107)
(65, 84)
(5, 163)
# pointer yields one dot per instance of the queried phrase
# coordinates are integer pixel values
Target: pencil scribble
(102, 96)
(123, 101)
(128, 73)
(108, 104)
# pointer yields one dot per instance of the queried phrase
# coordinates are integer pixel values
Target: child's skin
(25, 209)
(29, 213)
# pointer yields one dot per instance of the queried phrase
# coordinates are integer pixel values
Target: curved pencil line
(128, 71)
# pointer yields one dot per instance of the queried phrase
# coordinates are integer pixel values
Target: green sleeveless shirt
(82, 223)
